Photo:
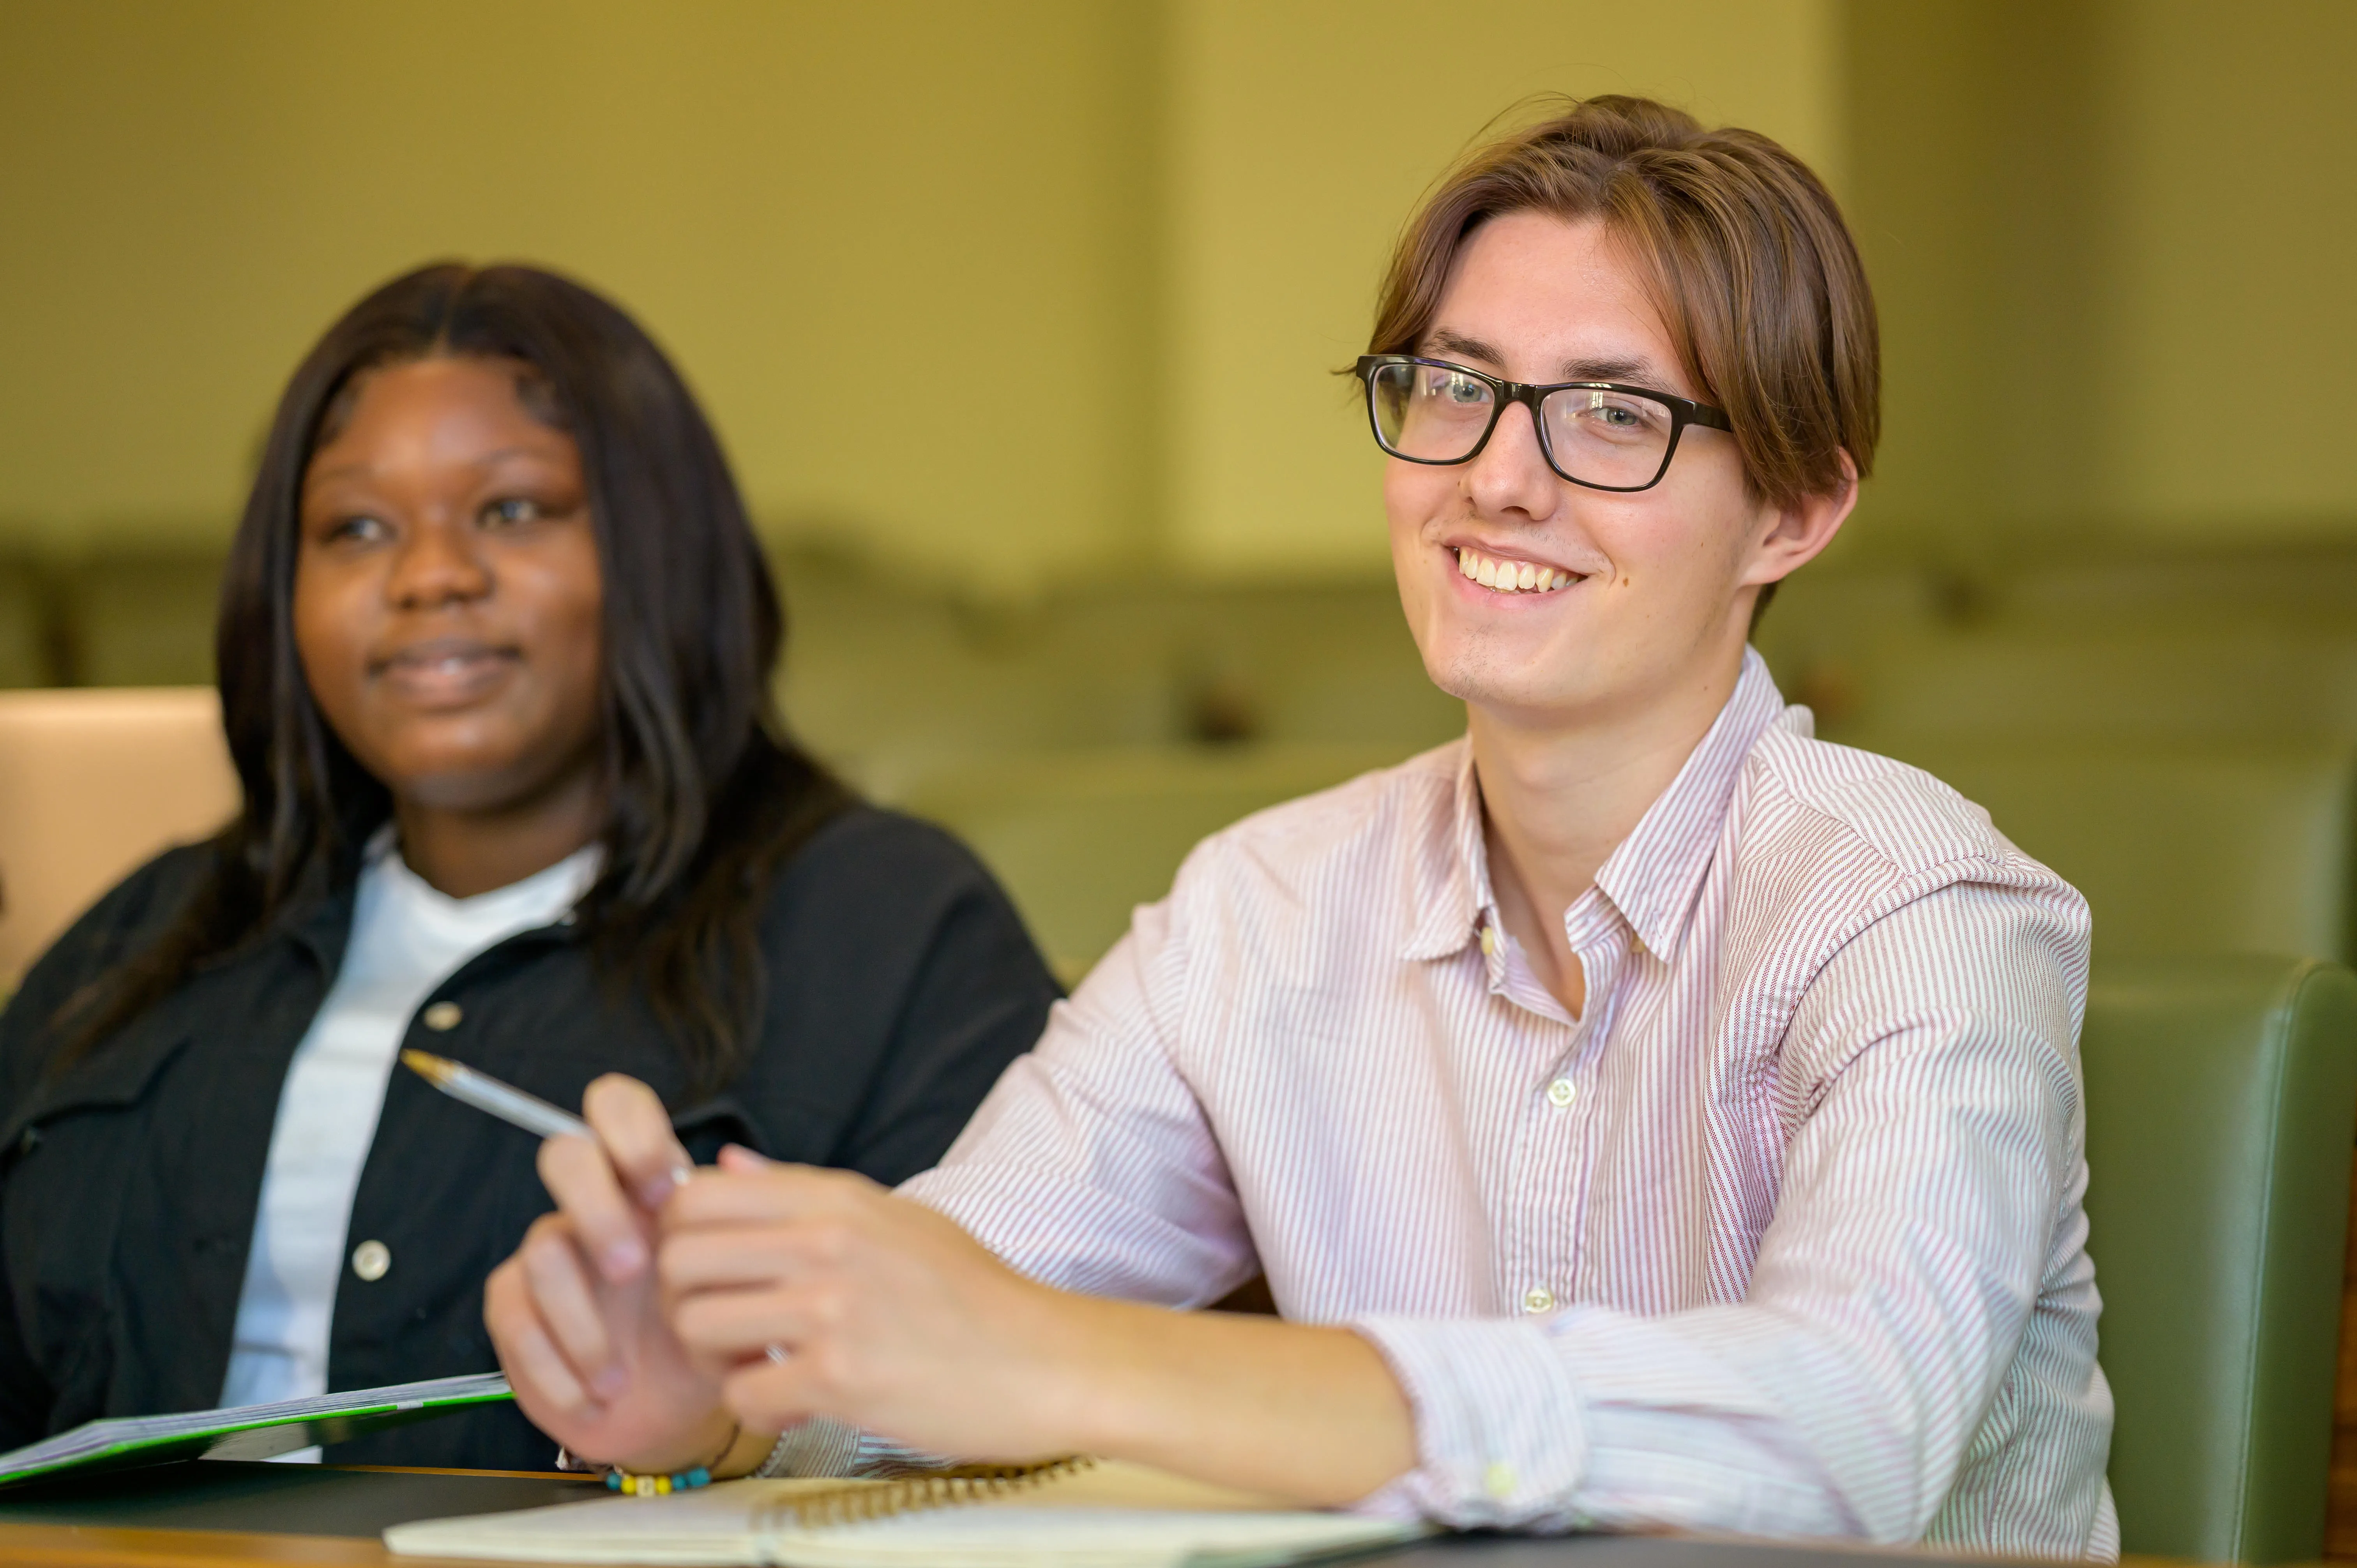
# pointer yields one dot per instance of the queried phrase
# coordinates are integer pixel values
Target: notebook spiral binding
(930, 1489)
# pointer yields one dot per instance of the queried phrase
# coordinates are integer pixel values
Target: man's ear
(1796, 534)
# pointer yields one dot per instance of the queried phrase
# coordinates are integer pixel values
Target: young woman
(495, 649)
(1645, 1114)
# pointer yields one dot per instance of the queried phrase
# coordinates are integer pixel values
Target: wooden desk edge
(84, 1546)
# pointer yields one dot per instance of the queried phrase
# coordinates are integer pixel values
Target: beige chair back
(92, 783)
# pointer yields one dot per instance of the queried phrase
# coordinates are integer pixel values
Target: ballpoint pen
(484, 1092)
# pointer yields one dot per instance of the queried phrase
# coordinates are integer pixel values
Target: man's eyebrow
(1622, 370)
(1616, 368)
(1464, 348)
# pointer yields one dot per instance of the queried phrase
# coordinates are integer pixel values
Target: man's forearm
(1312, 1414)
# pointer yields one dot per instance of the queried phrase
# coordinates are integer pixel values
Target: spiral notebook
(1073, 1513)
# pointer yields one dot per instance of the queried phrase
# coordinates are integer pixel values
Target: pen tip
(425, 1064)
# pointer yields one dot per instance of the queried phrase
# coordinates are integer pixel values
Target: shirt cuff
(819, 1446)
(1500, 1441)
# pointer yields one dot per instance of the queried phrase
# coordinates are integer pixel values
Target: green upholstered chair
(2179, 849)
(143, 619)
(1082, 839)
(2095, 684)
(2222, 1097)
(25, 632)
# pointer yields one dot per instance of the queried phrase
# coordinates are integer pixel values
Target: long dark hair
(709, 796)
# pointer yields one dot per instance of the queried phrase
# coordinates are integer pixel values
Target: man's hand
(881, 1313)
(657, 1310)
(886, 1315)
(575, 1315)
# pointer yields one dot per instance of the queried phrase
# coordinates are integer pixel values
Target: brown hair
(1750, 265)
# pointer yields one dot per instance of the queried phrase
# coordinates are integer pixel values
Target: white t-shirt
(406, 939)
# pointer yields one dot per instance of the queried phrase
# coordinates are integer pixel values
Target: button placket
(1548, 1256)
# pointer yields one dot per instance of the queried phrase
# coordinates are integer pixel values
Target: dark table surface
(292, 1499)
(322, 1500)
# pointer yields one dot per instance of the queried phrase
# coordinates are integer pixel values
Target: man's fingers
(568, 1310)
(734, 1326)
(768, 1194)
(536, 1367)
(632, 1125)
(729, 1257)
(606, 1223)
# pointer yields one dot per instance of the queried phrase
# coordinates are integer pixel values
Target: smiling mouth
(1512, 577)
(445, 669)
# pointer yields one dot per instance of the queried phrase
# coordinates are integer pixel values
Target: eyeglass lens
(1437, 415)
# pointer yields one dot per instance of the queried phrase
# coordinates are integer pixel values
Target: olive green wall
(895, 246)
(1028, 291)
(1000, 293)
(2110, 240)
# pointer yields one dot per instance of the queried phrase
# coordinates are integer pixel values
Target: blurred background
(1018, 321)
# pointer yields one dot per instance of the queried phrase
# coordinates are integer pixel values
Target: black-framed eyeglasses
(1601, 434)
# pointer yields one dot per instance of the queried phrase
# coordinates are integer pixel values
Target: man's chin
(1507, 689)
(1516, 669)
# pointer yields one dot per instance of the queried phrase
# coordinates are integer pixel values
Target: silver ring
(777, 1353)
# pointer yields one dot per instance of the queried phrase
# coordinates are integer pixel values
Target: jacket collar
(317, 914)
(1651, 880)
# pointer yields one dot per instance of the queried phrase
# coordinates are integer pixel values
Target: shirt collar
(1654, 874)
(1448, 885)
(1650, 879)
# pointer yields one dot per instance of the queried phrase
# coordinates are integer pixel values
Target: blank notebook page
(1106, 1516)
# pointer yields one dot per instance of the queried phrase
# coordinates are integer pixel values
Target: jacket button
(370, 1259)
(442, 1017)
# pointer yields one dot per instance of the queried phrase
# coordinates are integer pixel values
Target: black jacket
(900, 982)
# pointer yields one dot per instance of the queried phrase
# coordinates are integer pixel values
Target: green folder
(246, 1432)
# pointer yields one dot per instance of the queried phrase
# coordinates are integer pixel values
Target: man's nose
(1510, 473)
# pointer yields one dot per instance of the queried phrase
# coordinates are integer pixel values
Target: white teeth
(1511, 576)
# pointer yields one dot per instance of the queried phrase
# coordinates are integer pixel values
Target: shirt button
(370, 1259)
(442, 1017)
(1538, 1298)
(1489, 940)
(1562, 1092)
(1498, 1480)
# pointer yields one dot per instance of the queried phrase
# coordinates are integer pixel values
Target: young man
(1644, 1115)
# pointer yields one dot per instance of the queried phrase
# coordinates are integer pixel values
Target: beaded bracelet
(631, 1484)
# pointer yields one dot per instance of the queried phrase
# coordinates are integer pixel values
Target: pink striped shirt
(1782, 1236)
